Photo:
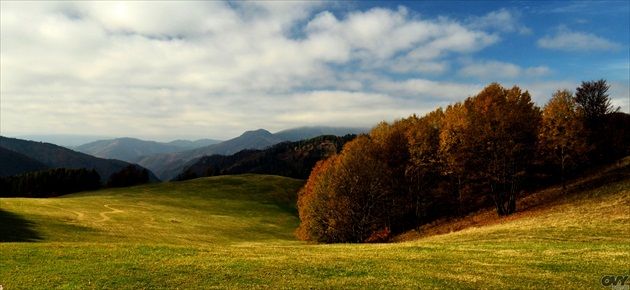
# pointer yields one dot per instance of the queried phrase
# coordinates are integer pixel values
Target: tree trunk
(512, 203)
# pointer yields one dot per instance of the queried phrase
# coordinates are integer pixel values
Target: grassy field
(237, 232)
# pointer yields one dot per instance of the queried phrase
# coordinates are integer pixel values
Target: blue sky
(190, 70)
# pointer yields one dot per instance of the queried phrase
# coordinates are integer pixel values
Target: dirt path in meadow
(105, 213)
(113, 210)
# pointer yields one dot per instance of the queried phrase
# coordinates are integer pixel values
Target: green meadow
(234, 232)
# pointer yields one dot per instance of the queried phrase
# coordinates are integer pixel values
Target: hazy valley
(165, 160)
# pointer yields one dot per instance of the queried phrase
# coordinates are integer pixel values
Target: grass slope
(198, 212)
(237, 232)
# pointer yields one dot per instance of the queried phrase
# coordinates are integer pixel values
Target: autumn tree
(503, 131)
(563, 136)
(390, 144)
(423, 172)
(319, 211)
(368, 184)
(454, 155)
(489, 141)
(346, 198)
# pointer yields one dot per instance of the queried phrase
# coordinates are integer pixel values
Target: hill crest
(127, 148)
(54, 156)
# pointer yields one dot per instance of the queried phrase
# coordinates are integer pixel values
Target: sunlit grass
(218, 210)
(237, 232)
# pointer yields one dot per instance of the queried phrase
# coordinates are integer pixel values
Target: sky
(191, 70)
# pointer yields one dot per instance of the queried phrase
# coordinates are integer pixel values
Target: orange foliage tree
(390, 142)
(563, 136)
(424, 169)
(446, 163)
(490, 140)
(319, 208)
(346, 197)
(452, 153)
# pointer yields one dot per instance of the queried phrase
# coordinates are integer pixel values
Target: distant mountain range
(168, 165)
(193, 144)
(64, 140)
(128, 149)
(164, 160)
(290, 159)
(22, 156)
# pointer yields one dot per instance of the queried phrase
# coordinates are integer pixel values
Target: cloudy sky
(190, 70)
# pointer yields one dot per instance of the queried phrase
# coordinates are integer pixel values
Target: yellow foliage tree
(489, 141)
(563, 136)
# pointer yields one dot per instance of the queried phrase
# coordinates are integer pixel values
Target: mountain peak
(258, 132)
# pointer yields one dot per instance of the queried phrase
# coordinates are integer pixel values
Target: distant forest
(60, 181)
(486, 151)
(49, 183)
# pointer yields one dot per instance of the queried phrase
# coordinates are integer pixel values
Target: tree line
(60, 181)
(485, 151)
(50, 183)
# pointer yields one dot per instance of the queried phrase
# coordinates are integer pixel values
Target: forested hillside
(486, 151)
(289, 159)
(16, 163)
(53, 156)
(168, 165)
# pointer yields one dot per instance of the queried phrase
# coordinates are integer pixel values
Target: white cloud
(499, 70)
(502, 20)
(214, 45)
(566, 39)
(403, 65)
(379, 34)
(537, 71)
(162, 19)
(620, 95)
(219, 68)
(445, 92)
(334, 107)
(454, 38)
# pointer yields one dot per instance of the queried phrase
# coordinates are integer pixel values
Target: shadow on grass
(14, 228)
(288, 208)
